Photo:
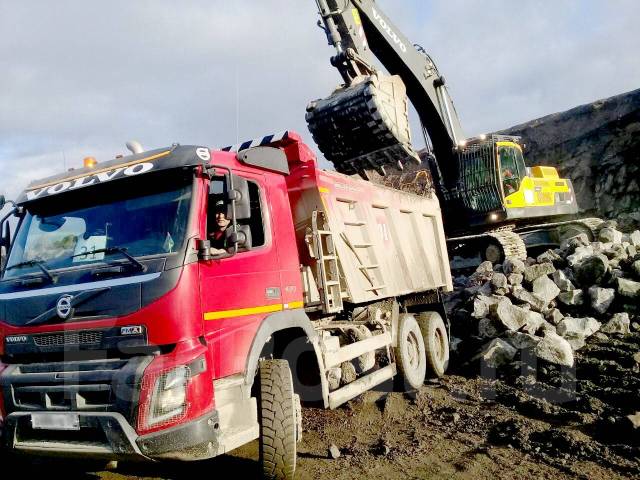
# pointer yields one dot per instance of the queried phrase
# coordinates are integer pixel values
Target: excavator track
(495, 245)
(511, 243)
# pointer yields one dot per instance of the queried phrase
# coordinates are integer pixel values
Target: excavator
(494, 205)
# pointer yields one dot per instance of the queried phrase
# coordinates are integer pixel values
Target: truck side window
(217, 203)
(256, 223)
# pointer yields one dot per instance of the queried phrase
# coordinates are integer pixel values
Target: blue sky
(81, 78)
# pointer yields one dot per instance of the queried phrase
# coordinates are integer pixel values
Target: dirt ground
(463, 427)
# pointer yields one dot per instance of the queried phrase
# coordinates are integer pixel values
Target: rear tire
(436, 342)
(410, 354)
(278, 422)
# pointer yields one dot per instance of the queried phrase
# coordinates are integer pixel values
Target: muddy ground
(536, 422)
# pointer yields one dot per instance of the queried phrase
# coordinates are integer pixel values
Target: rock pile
(551, 305)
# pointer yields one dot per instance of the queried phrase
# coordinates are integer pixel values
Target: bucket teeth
(364, 126)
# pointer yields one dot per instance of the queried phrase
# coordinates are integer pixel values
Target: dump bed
(364, 242)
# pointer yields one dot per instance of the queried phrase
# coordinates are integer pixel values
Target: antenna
(237, 106)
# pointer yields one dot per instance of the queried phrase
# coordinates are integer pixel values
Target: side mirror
(238, 196)
(204, 249)
(5, 243)
(241, 238)
(3, 201)
(6, 235)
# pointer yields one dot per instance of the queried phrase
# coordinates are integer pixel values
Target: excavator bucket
(364, 126)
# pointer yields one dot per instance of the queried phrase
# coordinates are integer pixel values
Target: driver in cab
(218, 237)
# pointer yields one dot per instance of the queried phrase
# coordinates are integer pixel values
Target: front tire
(410, 354)
(278, 422)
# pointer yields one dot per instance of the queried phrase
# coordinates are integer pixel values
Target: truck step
(354, 350)
(363, 245)
(368, 267)
(361, 385)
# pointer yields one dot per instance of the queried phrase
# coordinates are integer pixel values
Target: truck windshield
(145, 220)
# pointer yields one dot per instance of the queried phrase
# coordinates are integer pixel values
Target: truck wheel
(278, 422)
(410, 354)
(436, 342)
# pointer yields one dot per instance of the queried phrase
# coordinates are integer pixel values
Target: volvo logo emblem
(64, 307)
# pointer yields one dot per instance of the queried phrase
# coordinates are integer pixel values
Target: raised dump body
(363, 242)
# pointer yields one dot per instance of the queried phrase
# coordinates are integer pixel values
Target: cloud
(80, 78)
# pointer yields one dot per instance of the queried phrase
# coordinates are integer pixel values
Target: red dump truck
(125, 335)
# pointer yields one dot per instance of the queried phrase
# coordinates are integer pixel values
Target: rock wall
(597, 146)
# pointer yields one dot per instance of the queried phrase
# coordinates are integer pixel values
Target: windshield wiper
(36, 262)
(110, 251)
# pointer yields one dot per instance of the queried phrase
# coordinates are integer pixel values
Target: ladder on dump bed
(324, 248)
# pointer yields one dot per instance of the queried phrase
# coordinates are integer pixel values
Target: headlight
(169, 399)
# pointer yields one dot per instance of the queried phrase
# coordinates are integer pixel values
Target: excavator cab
(511, 166)
(494, 184)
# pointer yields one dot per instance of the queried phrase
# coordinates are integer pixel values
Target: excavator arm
(360, 31)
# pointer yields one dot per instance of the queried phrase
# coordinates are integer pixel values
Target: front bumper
(110, 436)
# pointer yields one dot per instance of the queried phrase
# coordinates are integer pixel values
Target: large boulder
(620, 323)
(592, 270)
(555, 316)
(546, 289)
(482, 275)
(579, 255)
(513, 265)
(610, 235)
(634, 238)
(516, 279)
(571, 244)
(576, 340)
(533, 272)
(601, 298)
(555, 349)
(497, 353)
(584, 327)
(563, 282)
(482, 305)
(628, 288)
(536, 302)
(517, 319)
(572, 299)
(499, 284)
(522, 341)
(550, 256)
(636, 268)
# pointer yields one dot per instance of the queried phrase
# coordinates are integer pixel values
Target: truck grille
(81, 397)
(68, 338)
(93, 385)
